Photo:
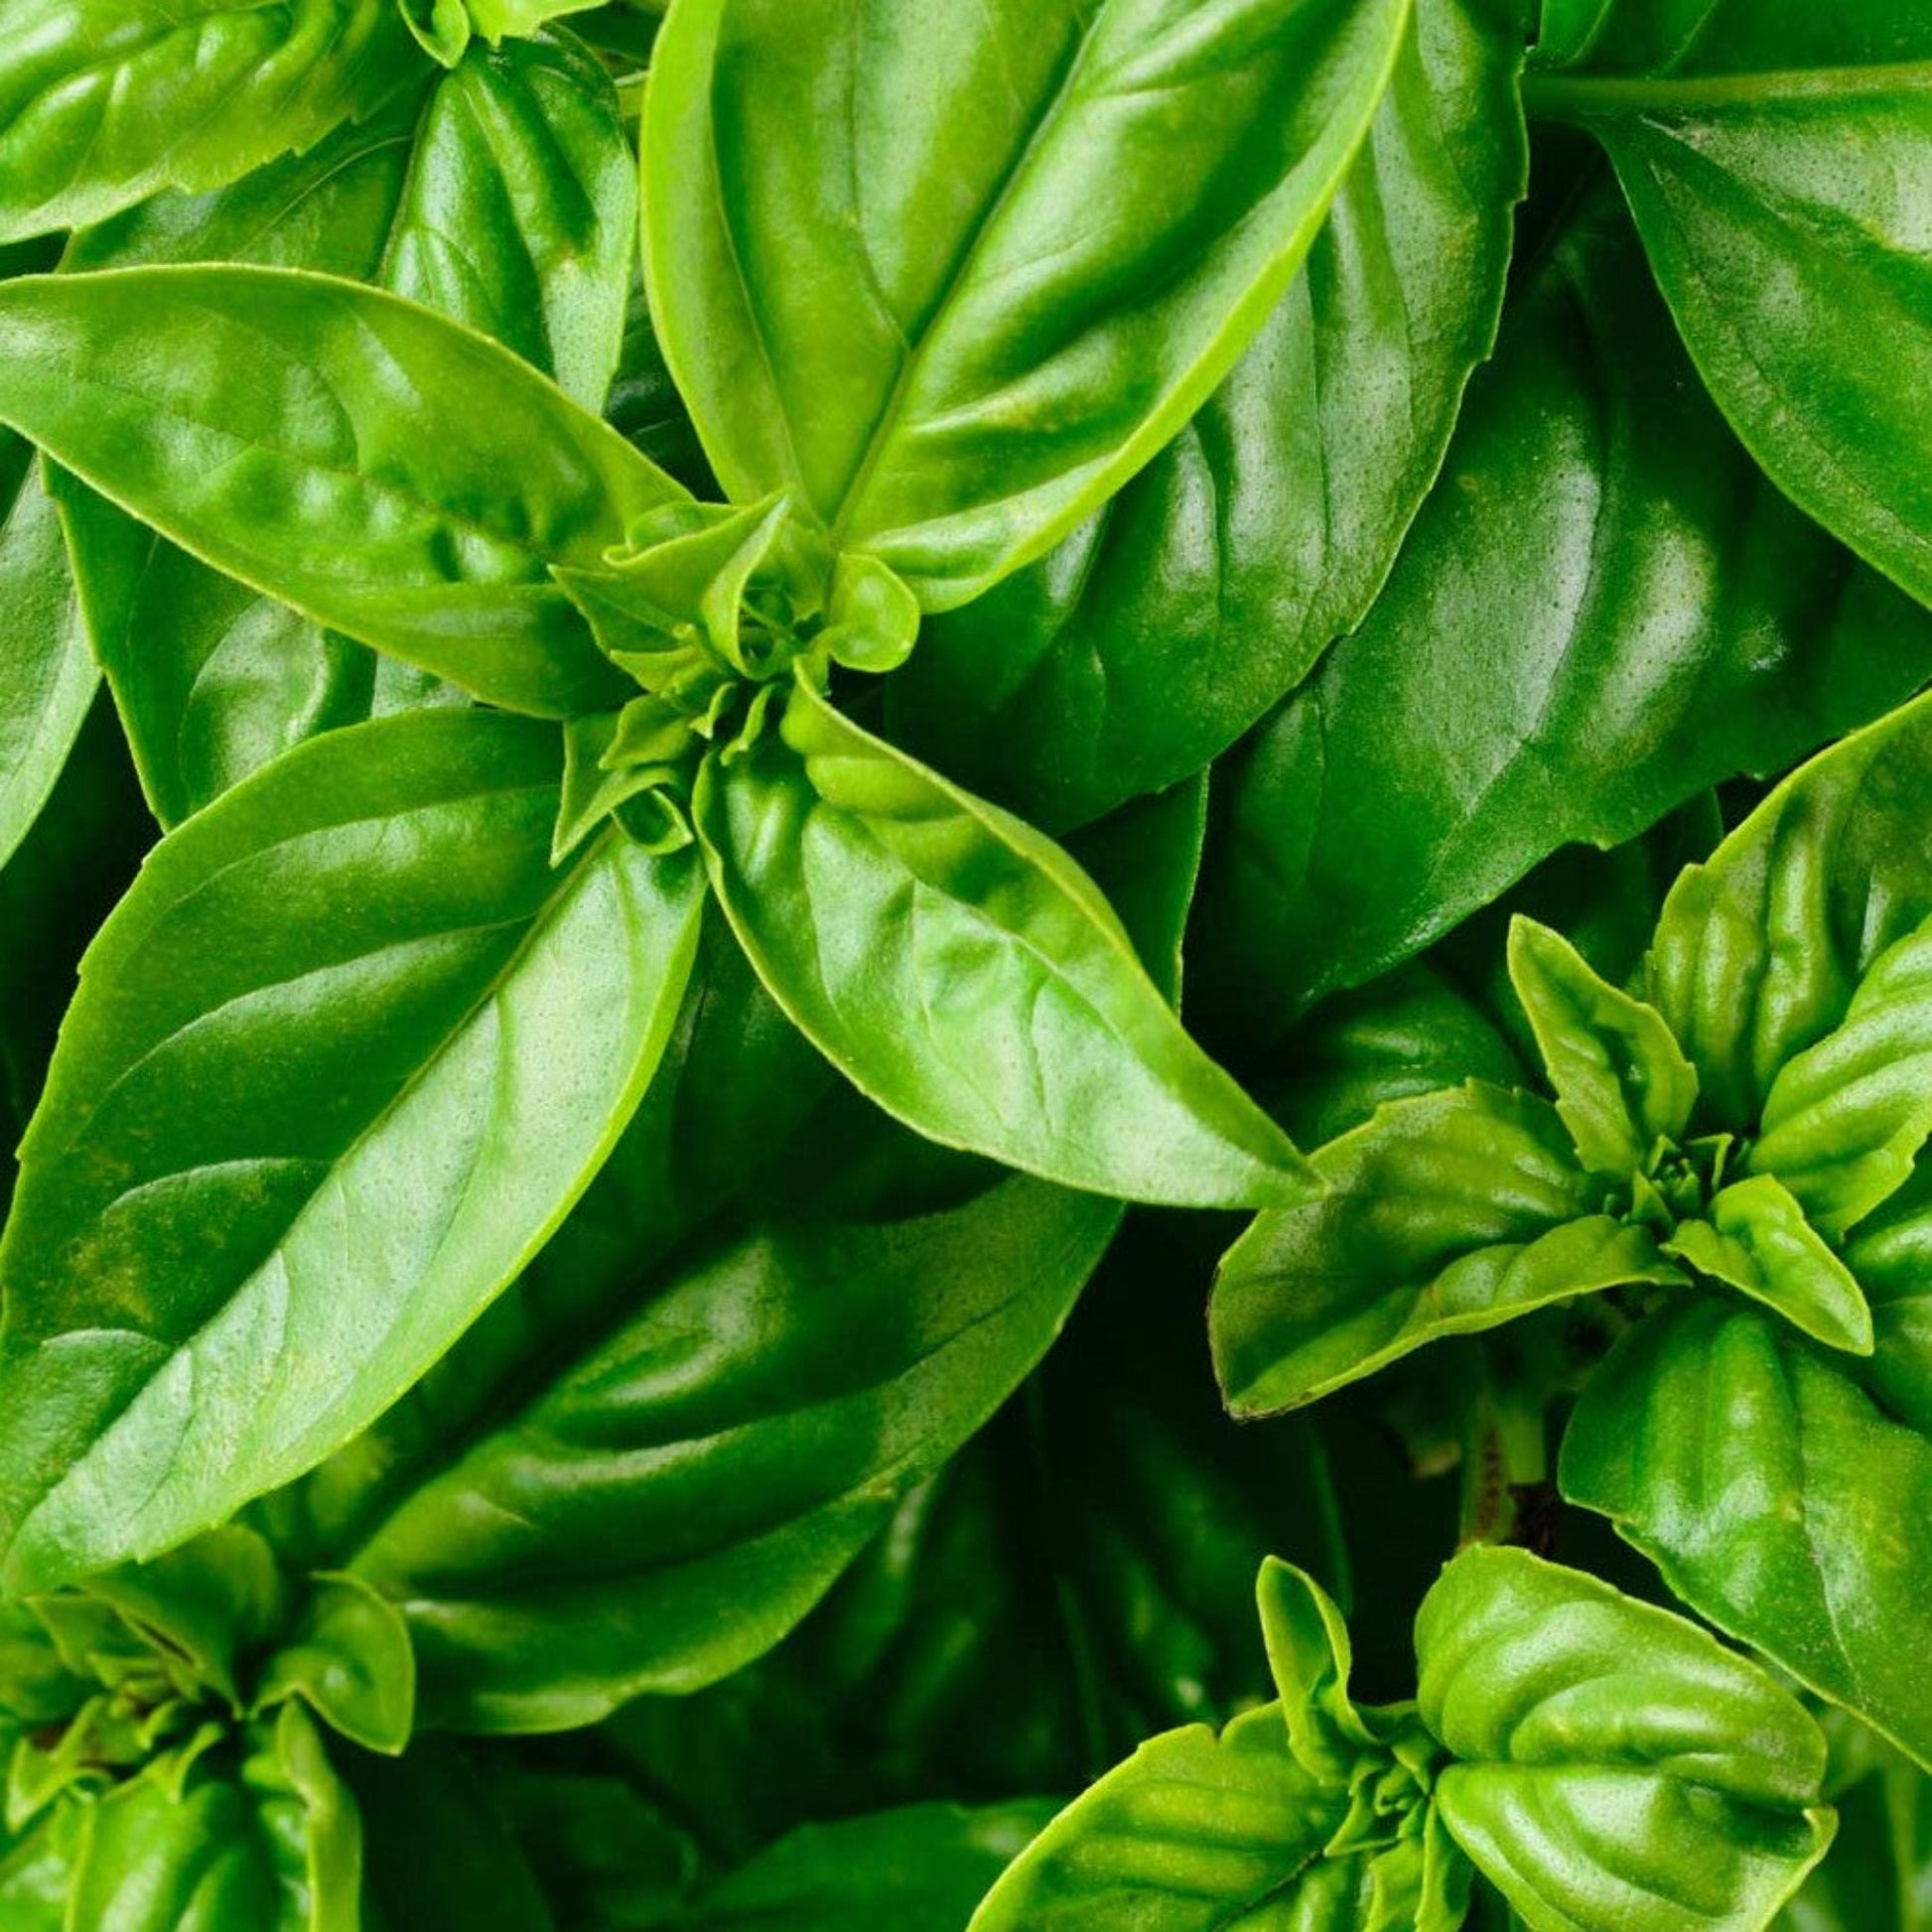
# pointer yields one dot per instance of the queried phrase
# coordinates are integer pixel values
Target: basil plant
(642, 645)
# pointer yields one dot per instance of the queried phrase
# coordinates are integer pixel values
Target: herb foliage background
(632, 640)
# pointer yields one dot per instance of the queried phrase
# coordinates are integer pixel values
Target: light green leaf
(965, 974)
(444, 28)
(350, 1662)
(1623, 1083)
(1757, 1238)
(1310, 1656)
(1445, 1214)
(1846, 1118)
(1759, 952)
(103, 102)
(1045, 234)
(1616, 1766)
(426, 526)
(1170, 619)
(1194, 1832)
(47, 673)
(1770, 148)
(1778, 1498)
(1602, 608)
(337, 1065)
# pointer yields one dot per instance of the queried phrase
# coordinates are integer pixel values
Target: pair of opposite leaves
(1763, 1432)
(206, 1163)
(1603, 1763)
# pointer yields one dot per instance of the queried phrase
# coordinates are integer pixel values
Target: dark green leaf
(1772, 157)
(338, 1064)
(967, 976)
(955, 277)
(1171, 620)
(1601, 610)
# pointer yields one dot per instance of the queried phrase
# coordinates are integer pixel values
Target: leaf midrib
(1586, 96)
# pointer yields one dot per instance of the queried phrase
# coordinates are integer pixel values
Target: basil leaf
(1759, 952)
(356, 971)
(1776, 1497)
(444, 28)
(50, 676)
(1891, 1255)
(1444, 1215)
(278, 1847)
(103, 102)
(1623, 1083)
(350, 1663)
(671, 1502)
(1311, 1660)
(37, 1870)
(1194, 1832)
(966, 975)
(1757, 1238)
(1175, 617)
(919, 1869)
(1765, 147)
(1878, 1877)
(1512, 689)
(973, 193)
(1846, 1118)
(1615, 1766)
(427, 530)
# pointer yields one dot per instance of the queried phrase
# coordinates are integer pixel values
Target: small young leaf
(965, 974)
(1310, 1655)
(1623, 1083)
(1757, 1238)
(350, 1662)
(1616, 1766)
(1447, 1214)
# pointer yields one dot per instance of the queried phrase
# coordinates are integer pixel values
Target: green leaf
(1601, 609)
(337, 1065)
(676, 1496)
(426, 527)
(1778, 1498)
(1846, 1118)
(350, 1662)
(1765, 147)
(103, 102)
(1447, 1214)
(1757, 1237)
(919, 1869)
(1891, 1255)
(36, 1871)
(1175, 617)
(277, 1849)
(1623, 1083)
(1194, 1832)
(1760, 952)
(47, 674)
(1616, 1766)
(966, 975)
(1878, 1876)
(952, 279)
(444, 28)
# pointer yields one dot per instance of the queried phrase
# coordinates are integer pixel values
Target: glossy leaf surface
(1601, 610)
(1046, 234)
(47, 675)
(103, 102)
(967, 976)
(1173, 618)
(1623, 1083)
(1766, 148)
(1778, 1498)
(1760, 952)
(338, 1064)
(353, 481)
(1616, 1766)
(1444, 1215)
(1194, 1832)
